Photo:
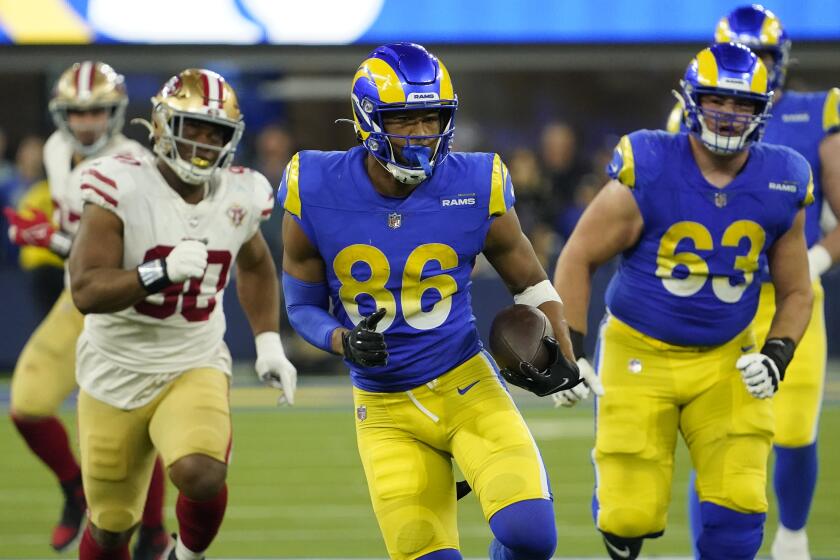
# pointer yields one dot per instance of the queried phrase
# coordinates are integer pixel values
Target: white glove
(187, 260)
(819, 261)
(570, 397)
(273, 368)
(760, 374)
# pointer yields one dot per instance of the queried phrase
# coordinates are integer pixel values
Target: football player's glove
(36, 231)
(763, 371)
(273, 368)
(819, 261)
(363, 345)
(562, 374)
(187, 260)
(591, 382)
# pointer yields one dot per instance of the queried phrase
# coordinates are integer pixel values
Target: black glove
(560, 375)
(363, 345)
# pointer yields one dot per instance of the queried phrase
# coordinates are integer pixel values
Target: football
(516, 336)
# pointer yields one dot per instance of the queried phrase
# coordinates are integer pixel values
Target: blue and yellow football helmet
(400, 77)
(726, 70)
(758, 28)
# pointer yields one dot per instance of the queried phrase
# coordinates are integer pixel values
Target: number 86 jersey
(413, 256)
(692, 278)
(182, 326)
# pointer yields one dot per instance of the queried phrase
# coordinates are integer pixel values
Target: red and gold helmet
(200, 95)
(87, 86)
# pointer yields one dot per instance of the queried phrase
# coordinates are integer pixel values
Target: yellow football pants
(45, 373)
(797, 405)
(190, 416)
(407, 441)
(654, 390)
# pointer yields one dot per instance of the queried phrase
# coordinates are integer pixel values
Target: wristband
(577, 343)
(780, 350)
(153, 277)
(60, 244)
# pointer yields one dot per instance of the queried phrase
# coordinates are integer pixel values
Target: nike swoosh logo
(467, 388)
(747, 348)
(623, 552)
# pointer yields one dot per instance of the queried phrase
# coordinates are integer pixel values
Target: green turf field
(297, 488)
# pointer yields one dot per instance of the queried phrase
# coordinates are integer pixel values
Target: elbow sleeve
(307, 305)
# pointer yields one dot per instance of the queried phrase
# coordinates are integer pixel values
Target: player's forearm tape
(577, 343)
(152, 275)
(781, 351)
(307, 305)
(537, 294)
(60, 244)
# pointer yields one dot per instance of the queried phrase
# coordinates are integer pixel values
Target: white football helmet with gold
(89, 86)
(200, 95)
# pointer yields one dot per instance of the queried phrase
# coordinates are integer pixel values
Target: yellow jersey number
(412, 289)
(668, 259)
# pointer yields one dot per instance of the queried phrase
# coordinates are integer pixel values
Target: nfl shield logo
(361, 413)
(394, 220)
(720, 200)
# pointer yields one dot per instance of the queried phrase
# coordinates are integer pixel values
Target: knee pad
(728, 534)
(526, 529)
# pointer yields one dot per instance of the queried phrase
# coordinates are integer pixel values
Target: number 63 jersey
(413, 256)
(181, 327)
(692, 277)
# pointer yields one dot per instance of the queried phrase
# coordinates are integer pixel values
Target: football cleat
(151, 544)
(726, 70)
(172, 555)
(790, 545)
(72, 516)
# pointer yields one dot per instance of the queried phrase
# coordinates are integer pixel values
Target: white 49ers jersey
(181, 327)
(58, 161)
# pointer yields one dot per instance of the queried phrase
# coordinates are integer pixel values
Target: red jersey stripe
(109, 199)
(107, 180)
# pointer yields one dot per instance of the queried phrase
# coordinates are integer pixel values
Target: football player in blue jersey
(808, 123)
(379, 242)
(695, 217)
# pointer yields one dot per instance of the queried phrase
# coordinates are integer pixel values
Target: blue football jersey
(413, 256)
(691, 277)
(801, 121)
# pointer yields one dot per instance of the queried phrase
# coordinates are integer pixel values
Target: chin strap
(419, 155)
